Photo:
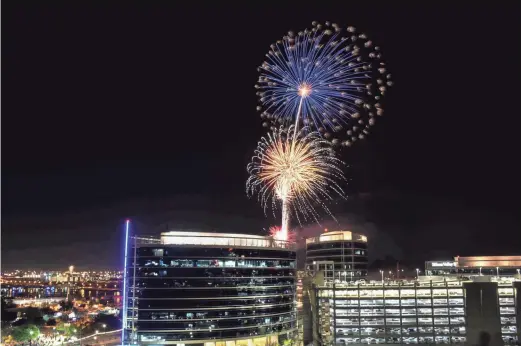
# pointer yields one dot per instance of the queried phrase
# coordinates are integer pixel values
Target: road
(108, 340)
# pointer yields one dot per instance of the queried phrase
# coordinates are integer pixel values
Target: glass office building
(210, 289)
(340, 254)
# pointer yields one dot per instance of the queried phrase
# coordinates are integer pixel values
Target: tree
(25, 333)
(66, 328)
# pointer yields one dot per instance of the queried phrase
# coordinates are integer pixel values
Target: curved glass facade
(202, 294)
(342, 254)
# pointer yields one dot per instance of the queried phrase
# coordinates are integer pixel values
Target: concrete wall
(481, 300)
(517, 294)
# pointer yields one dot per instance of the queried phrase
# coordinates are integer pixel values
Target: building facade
(342, 255)
(455, 302)
(476, 265)
(210, 289)
(419, 312)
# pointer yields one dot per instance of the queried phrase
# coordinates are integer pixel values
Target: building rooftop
(182, 238)
(488, 261)
(337, 236)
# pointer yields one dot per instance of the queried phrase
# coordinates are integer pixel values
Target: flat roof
(488, 261)
(337, 236)
(183, 238)
(477, 262)
(210, 234)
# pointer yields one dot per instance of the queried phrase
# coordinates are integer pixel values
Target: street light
(382, 272)
(497, 271)
(104, 326)
(417, 273)
(480, 271)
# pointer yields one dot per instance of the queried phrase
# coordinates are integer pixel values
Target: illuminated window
(392, 293)
(506, 310)
(441, 320)
(230, 263)
(392, 321)
(506, 291)
(508, 320)
(455, 301)
(439, 301)
(456, 311)
(425, 320)
(424, 302)
(439, 292)
(506, 301)
(158, 252)
(408, 302)
(408, 293)
(455, 292)
(457, 320)
(423, 293)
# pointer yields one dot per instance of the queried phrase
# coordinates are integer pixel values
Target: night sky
(148, 112)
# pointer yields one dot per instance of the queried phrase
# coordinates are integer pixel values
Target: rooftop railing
(225, 240)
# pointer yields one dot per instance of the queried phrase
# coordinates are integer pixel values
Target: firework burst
(295, 169)
(331, 79)
(279, 234)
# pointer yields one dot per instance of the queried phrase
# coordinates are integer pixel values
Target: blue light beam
(127, 227)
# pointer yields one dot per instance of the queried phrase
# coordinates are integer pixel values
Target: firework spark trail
(295, 173)
(334, 83)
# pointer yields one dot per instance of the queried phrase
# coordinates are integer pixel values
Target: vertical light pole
(417, 273)
(124, 303)
(71, 270)
(497, 271)
(382, 273)
(480, 271)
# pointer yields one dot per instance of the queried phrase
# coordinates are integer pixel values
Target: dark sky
(149, 112)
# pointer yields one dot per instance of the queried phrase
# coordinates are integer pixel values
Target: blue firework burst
(331, 80)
